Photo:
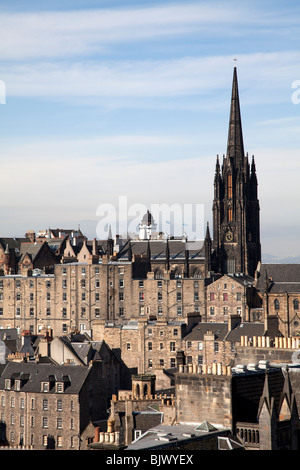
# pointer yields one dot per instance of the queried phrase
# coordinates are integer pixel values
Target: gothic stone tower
(236, 233)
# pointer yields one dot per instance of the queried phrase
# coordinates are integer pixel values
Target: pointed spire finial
(235, 144)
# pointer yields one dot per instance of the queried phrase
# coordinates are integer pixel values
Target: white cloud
(71, 33)
(187, 76)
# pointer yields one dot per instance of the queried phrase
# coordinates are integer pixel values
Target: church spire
(235, 144)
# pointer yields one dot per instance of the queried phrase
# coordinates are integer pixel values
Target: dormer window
(45, 387)
(7, 384)
(17, 384)
(59, 387)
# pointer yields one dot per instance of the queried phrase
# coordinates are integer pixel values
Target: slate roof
(166, 435)
(35, 374)
(247, 390)
(220, 330)
(281, 278)
(158, 249)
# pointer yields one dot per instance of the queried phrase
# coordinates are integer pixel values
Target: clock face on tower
(229, 236)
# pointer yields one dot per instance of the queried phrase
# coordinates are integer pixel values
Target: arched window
(296, 304)
(196, 274)
(158, 274)
(229, 185)
(229, 214)
(177, 274)
(276, 304)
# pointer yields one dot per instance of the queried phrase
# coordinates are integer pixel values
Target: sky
(110, 104)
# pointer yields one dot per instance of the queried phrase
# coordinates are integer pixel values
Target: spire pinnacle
(235, 145)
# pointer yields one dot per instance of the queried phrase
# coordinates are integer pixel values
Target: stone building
(278, 293)
(259, 406)
(44, 406)
(230, 294)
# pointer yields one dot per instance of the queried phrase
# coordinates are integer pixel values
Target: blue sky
(131, 98)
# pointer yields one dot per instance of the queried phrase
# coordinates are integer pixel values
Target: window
(150, 363)
(45, 422)
(225, 310)
(97, 270)
(175, 332)
(296, 304)
(212, 296)
(189, 344)
(179, 311)
(159, 310)
(225, 297)
(200, 346)
(128, 346)
(83, 311)
(212, 310)
(121, 296)
(178, 296)
(178, 284)
(229, 185)
(31, 297)
(64, 283)
(141, 284)
(83, 296)
(216, 347)
(45, 404)
(18, 311)
(172, 362)
(97, 283)
(200, 360)
(121, 283)
(64, 328)
(276, 304)
(48, 284)
(141, 296)
(64, 312)
(59, 423)
(97, 312)
(59, 389)
(45, 386)
(82, 282)
(159, 296)
(196, 296)
(161, 363)
(238, 296)
(150, 346)
(64, 296)
(121, 312)
(83, 271)
(48, 311)
(172, 346)
(159, 284)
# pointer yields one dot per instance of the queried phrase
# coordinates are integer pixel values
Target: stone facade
(45, 406)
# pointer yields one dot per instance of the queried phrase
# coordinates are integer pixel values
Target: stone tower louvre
(236, 232)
